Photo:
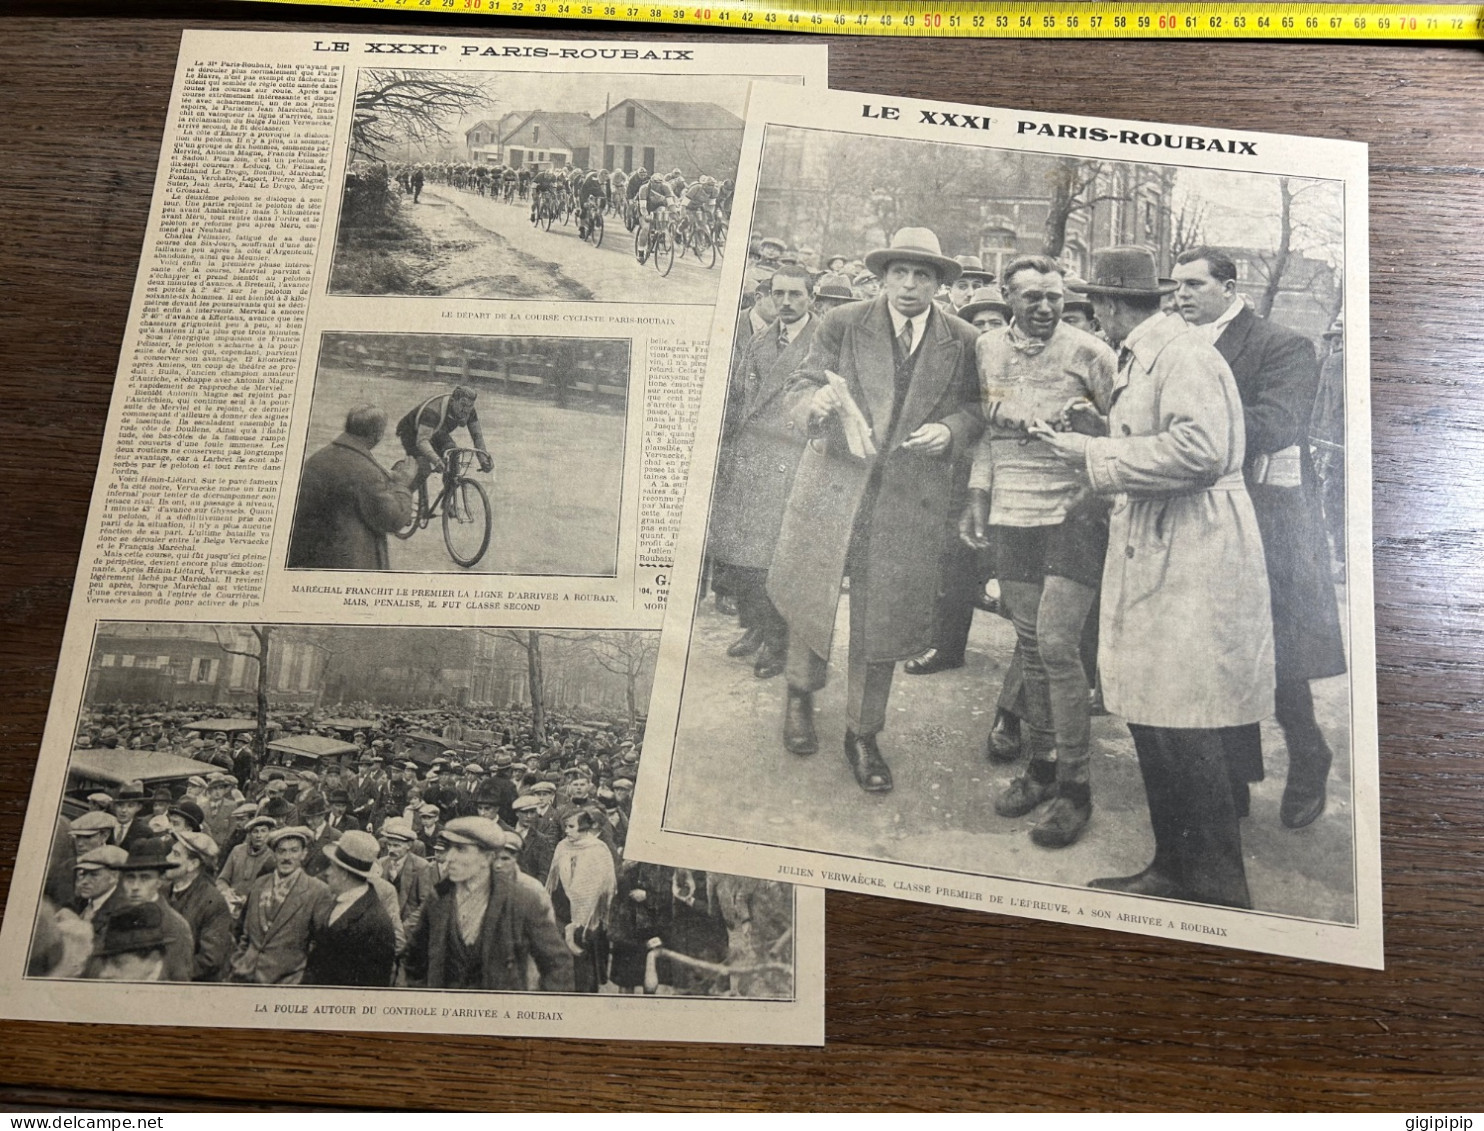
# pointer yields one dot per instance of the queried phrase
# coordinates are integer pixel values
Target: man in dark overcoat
(760, 449)
(348, 503)
(1277, 376)
(351, 941)
(888, 400)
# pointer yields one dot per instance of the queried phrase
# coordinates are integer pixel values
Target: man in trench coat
(1186, 632)
(1278, 378)
(879, 516)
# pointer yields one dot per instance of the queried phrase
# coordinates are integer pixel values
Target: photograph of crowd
(433, 808)
(497, 455)
(542, 186)
(1030, 502)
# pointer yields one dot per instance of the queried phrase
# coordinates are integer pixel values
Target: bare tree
(627, 654)
(263, 634)
(1187, 223)
(1074, 186)
(529, 642)
(1273, 266)
(409, 107)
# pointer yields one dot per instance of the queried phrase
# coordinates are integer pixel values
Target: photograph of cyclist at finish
(427, 434)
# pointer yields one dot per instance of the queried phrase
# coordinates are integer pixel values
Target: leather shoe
(746, 644)
(1065, 818)
(1151, 881)
(769, 663)
(865, 759)
(933, 660)
(1302, 803)
(1003, 743)
(798, 723)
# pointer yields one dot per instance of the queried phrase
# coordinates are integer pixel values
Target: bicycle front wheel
(595, 231)
(467, 536)
(664, 254)
(704, 249)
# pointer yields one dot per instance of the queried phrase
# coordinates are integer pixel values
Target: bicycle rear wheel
(467, 536)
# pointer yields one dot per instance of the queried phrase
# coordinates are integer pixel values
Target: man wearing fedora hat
(1186, 644)
(1278, 378)
(353, 943)
(315, 815)
(281, 909)
(141, 878)
(971, 278)
(755, 467)
(131, 947)
(873, 507)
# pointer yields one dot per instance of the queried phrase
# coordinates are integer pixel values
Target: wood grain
(928, 1008)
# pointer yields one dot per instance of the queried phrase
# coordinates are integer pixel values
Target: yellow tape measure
(1091, 19)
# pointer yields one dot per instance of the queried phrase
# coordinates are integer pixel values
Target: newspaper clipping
(1025, 559)
(355, 684)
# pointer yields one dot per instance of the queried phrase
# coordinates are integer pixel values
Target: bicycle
(701, 242)
(467, 524)
(545, 211)
(593, 216)
(661, 244)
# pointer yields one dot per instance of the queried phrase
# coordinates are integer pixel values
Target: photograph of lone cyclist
(508, 456)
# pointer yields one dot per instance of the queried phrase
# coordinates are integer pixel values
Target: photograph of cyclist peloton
(539, 186)
(439, 453)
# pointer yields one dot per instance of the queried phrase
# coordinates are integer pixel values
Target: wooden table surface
(927, 1008)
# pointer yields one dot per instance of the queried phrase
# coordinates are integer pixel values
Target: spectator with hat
(481, 928)
(96, 883)
(281, 908)
(315, 817)
(248, 860)
(972, 277)
(93, 830)
(832, 290)
(126, 807)
(429, 825)
(986, 310)
(142, 877)
(353, 944)
(186, 816)
(409, 874)
(887, 397)
(132, 947)
(539, 837)
(340, 816)
(1175, 665)
(193, 896)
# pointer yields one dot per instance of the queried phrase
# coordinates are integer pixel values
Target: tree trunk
(629, 692)
(1060, 209)
(538, 691)
(264, 635)
(1280, 259)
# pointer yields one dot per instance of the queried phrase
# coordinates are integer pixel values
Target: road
(732, 778)
(468, 231)
(554, 492)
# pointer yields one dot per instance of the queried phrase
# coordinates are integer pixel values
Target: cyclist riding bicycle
(592, 189)
(545, 183)
(700, 201)
(427, 434)
(657, 196)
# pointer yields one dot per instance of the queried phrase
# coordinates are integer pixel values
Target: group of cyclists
(668, 213)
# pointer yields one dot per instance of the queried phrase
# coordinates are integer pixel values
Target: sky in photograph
(1242, 210)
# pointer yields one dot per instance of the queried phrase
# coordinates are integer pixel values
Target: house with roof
(694, 137)
(484, 141)
(549, 139)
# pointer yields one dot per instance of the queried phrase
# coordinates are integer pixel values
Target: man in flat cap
(481, 927)
(93, 830)
(539, 837)
(192, 895)
(354, 943)
(250, 859)
(96, 881)
(1186, 640)
(888, 399)
(280, 910)
(142, 878)
(411, 875)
